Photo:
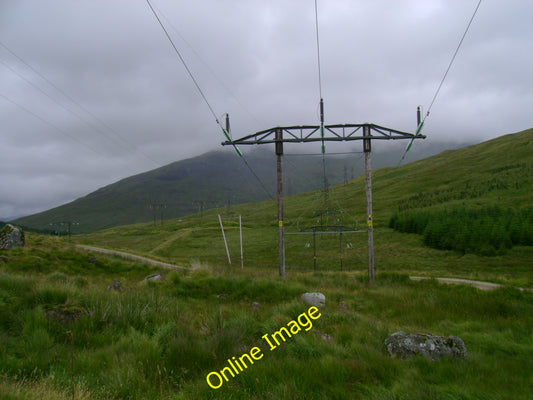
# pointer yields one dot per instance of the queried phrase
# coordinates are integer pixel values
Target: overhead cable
(452, 60)
(70, 111)
(206, 65)
(226, 133)
(421, 125)
(184, 64)
(318, 50)
(36, 116)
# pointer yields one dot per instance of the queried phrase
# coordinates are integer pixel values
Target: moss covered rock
(11, 236)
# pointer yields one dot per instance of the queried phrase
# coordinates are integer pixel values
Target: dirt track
(477, 284)
(130, 257)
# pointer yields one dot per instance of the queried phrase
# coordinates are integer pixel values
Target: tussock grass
(160, 340)
(43, 389)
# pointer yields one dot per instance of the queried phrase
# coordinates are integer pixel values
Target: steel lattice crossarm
(329, 133)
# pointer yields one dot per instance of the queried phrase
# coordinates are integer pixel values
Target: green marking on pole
(419, 128)
(226, 134)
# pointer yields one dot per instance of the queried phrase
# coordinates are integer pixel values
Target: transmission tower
(325, 133)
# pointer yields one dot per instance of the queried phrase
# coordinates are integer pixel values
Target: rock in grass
(115, 286)
(314, 299)
(343, 306)
(11, 236)
(63, 316)
(406, 345)
(324, 336)
(153, 278)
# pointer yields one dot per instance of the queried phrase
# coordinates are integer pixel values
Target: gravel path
(478, 284)
(130, 257)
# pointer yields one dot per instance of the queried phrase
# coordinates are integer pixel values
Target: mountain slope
(498, 172)
(212, 180)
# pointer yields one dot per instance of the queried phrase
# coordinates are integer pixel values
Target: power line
(90, 125)
(453, 59)
(224, 130)
(317, 154)
(325, 178)
(33, 85)
(184, 64)
(421, 124)
(318, 50)
(207, 66)
(64, 133)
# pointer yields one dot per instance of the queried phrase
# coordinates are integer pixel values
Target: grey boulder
(11, 236)
(316, 299)
(153, 278)
(406, 345)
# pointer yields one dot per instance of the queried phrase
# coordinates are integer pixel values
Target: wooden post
(368, 180)
(281, 238)
(314, 247)
(224, 236)
(240, 235)
(341, 249)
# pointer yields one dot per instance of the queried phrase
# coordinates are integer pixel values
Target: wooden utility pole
(367, 147)
(281, 237)
(155, 206)
(325, 133)
(224, 237)
(340, 248)
(201, 206)
(62, 223)
(314, 248)
(345, 175)
(240, 237)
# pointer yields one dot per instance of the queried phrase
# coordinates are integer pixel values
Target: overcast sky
(91, 91)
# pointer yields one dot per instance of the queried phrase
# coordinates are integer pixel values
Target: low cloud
(255, 60)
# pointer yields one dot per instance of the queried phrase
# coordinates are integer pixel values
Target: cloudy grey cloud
(126, 104)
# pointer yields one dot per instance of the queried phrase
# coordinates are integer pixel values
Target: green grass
(161, 340)
(479, 177)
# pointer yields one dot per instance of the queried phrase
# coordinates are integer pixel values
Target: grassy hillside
(482, 203)
(212, 180)
(61, 329)
(161, 340)
(474, 177)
